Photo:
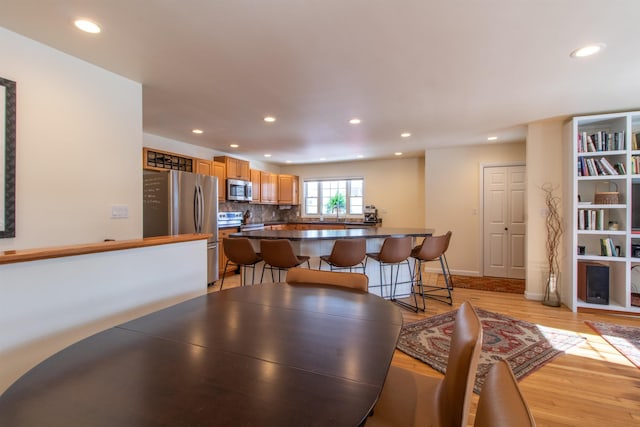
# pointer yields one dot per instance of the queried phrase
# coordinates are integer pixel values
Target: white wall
(453, 197)
(395, 187)
(545, 164)
(79, 147)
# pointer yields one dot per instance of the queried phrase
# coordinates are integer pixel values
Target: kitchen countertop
(355, 233)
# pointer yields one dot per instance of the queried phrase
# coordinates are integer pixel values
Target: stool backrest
(433, 247)
(395, 249)
(348, 252)
(357, 281)
(240, 251)
(278, 253)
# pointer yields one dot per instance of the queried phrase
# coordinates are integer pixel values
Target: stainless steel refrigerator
(178, 202)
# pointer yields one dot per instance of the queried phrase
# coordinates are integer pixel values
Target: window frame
(348, 196)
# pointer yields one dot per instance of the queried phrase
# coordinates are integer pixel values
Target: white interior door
(504, 228)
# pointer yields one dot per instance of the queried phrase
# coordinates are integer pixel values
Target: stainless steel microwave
(238, 190)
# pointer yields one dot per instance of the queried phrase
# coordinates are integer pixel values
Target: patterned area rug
(524, 345)
(625, 339)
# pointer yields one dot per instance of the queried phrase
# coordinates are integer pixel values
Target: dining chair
(278, 254)
(412, 399)
(356, 281)
(346, 253)
(501, 402)
(433, 248)
(240, 252)
(394, 252)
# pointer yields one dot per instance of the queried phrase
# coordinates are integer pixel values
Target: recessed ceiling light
(398, 153)
(269, 119)
(267, 155)
(198, 131)
(405, 135)
(87, 26)
(587, 50)
(234, 145)
(354, 121)
(492, 138)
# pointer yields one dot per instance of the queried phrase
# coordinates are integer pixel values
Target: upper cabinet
(236, 168)
(204, 167)
(220, 171)
(268, 188)
(255, 186)
(287, 189)
(161, 160)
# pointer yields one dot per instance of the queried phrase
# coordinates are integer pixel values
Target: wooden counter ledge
(8, 257)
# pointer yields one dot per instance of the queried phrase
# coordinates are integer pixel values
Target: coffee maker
(370, 213)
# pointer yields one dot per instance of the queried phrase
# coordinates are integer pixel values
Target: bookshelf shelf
(605, 157)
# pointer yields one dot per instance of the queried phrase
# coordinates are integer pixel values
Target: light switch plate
(119, 211)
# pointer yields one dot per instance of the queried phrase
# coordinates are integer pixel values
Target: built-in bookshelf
(603, 226)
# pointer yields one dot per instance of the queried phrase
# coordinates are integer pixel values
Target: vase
(551, 293)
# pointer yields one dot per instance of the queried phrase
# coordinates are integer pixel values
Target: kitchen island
(315, 243)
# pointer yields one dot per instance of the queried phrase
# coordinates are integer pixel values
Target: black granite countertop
(367, 233)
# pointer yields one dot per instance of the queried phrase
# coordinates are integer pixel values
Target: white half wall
(79, 147)
(50, 304)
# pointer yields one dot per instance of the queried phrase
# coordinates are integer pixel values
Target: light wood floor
(590, 385)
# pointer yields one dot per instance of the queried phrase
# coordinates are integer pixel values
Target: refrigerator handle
(196, 209)
(201, 217)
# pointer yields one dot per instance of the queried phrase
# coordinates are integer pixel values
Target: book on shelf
(607, 248)
(590, 219)
(635, 141)
(608, 167)
(601, 141)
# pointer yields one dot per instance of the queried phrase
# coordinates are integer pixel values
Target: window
(323, 197)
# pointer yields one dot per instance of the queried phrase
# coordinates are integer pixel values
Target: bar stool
(433, 248)
(240, 252)
(278, 254)
(346, 253)
(395, 251)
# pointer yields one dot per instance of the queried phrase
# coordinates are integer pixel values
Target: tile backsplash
(262, 213)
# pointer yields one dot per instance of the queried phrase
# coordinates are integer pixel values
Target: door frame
(483, 166)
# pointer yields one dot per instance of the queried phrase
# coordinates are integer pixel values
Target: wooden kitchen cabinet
(268, 188)
(287, 189)
(204, 167)
(163, 160)
(236, 168)
(255, 185)
(219, 171)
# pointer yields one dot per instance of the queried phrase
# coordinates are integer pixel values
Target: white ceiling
(451, 72)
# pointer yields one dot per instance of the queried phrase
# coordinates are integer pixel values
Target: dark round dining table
(264, 355)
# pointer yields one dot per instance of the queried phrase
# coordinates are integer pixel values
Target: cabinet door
(232, 167)
(219, 170)
(242, 169)
(255, 186)
(204, 167)
(288, 189)
(268, 187)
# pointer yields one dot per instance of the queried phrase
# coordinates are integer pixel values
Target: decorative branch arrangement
(554, 232)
